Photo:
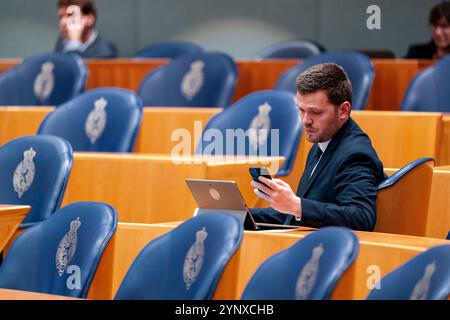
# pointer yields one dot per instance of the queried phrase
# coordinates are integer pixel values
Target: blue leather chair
(171, 49)
(291, 49)
(193, 80)
(185, 263)
(34, 171)
(100, 120)
(358, 66)
(60, 255)
(429, 90)
(308, 270)
(424, 277)
(392, 218)
(260, 110)
(47, 79)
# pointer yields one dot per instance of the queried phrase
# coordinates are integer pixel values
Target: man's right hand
(76, 23)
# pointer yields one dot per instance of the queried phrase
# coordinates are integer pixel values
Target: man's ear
(344, 110)
(90, 21)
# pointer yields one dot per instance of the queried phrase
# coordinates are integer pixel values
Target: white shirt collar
(91, 39)
(77, 45)
(323, 145)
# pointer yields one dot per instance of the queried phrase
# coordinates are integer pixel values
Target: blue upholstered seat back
(291, 49)
(170, 49)
(430, 89)
(47, 79)
(100, 120)
(358, 66)
(185, 263)
(264, 111)
(192, 80)
(60, 255)
(424, 277)
(34, 171)
(308, 270)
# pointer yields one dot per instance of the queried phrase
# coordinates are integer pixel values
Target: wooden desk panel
(20, 121)
(159, 124)
(445, 144)
(6, 64)
(6, 294)
(401, 137)
(10, 218)
(403, 208)
(392, 79)
(376, 249)
(154, 136)
(438, 222)
(152, 188)
(123, 73)
(257, 75)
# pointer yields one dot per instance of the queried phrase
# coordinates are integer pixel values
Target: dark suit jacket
(98, 49)
(422, 51)
(343, 188)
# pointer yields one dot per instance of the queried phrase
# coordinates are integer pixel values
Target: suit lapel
(307, 172)
(306, 182)
(322, 163)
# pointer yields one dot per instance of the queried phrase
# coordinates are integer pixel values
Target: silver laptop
(220, 196)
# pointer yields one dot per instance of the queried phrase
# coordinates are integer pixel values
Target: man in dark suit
(77, 20)
(339, 184)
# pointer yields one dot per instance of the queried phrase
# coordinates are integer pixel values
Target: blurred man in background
(77, 19)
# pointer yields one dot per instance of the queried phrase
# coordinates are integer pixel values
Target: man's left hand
(280, 196)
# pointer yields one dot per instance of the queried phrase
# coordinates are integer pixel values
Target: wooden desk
(401, 137)
(438, 222)
(155, 133)
(162, 128)
(10, 218)
(6, 294)
(152, 188)
(444, 158)
(382, 250)
(392, 79)
(20, 121)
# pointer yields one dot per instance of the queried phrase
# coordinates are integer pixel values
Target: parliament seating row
(138, 185)
(392, 77)
(127, 261)
(398, 137)
(378, 255)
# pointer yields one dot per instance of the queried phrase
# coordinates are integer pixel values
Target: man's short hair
(329, 77)
(86, 6)
(440, 10)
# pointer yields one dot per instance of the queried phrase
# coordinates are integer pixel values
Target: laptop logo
(214, 194)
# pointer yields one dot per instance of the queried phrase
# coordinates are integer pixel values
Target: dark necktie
(314, 161)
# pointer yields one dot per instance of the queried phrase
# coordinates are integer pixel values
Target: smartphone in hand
(255, 172)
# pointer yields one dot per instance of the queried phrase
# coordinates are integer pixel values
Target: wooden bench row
(392, 77)
(377, 253)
